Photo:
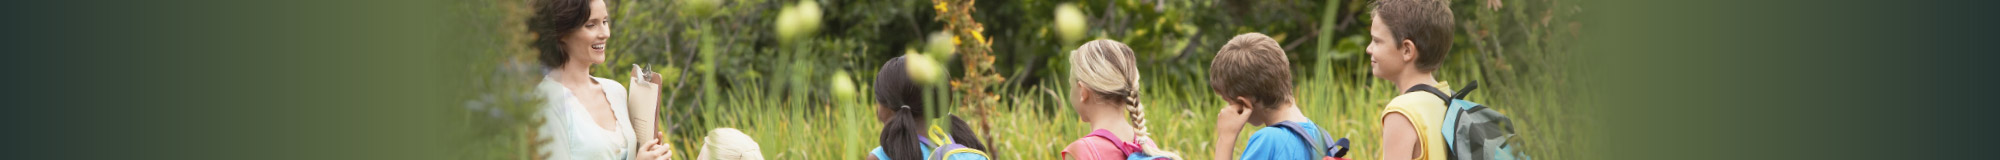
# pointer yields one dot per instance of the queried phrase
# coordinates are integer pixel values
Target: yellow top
(1427, 111)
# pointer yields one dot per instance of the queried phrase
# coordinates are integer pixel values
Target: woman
(586, 116)
(1107, 97)
(905, 135)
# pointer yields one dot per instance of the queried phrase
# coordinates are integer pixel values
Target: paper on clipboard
(643, 98)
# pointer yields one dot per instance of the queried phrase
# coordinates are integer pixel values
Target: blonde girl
(1106, 95)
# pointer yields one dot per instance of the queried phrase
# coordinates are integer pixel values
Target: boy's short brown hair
(1252, 65)
(1428, 23)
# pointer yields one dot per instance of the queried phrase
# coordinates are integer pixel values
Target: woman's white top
(574, 134)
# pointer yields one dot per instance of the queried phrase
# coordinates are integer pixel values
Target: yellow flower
(977, 36)
(940, 7)
(956, 41)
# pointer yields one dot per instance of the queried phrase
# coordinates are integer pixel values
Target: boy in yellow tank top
(1408, 41)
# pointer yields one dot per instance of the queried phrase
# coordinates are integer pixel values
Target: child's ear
(1408, 49)
(1082, 94)
(1247, 103)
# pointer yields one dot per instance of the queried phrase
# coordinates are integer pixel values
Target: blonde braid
(1138, 113)
(1141, 137)
(1138, 116)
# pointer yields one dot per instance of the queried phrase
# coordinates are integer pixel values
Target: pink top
(1100, 144)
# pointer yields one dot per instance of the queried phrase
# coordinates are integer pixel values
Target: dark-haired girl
(905, 132)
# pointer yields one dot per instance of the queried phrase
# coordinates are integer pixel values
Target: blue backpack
(1336, 150)
(1474, 132)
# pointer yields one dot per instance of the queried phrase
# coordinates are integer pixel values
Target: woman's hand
(653, 150)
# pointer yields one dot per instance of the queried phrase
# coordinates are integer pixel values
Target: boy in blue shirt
(1252, 74)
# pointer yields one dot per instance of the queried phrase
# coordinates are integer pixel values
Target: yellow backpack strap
(945, 147)
(938, 136)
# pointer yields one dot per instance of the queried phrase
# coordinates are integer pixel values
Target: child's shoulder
(1421, 98)
(1416, 98)
(1277, 130)
(1272, 131)
(1092, 148)
(1274, 142)
(1092, 142)
(1276, 133)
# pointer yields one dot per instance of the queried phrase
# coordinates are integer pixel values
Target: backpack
(1474, 132)
(942, 148)
(1326, 151)
(1144, 156)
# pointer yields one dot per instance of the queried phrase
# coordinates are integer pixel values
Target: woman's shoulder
(610, 86)
(549, 85)
(606, 81)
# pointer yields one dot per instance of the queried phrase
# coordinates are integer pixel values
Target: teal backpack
(1473, 131)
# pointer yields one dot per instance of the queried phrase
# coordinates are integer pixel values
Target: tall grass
(1035, 122)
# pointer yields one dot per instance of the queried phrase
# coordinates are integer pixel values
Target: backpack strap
(1123, 147)
(1319, 145)
(1342, 151)
(1433, 90)
(938, 136)
(944, 152)
(1463, 91)
(944, 146)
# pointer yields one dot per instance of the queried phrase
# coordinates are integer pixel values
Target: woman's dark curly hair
(553, 20)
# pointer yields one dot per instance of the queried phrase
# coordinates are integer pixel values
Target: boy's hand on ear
(1228, 123)
(1232, 117)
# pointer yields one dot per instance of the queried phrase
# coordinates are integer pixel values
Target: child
(1252, 74)
(901, 109)
(1409, 41)
(1107, 97)
(729, 143)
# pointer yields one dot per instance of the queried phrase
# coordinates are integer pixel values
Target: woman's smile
(597, 48)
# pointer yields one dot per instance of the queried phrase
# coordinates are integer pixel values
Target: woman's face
(586, 44)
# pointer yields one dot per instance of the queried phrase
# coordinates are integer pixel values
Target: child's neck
(1404, 83)
(1116, 123)
(1120, 127)
(1286, 112)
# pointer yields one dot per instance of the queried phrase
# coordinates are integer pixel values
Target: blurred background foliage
(795, 74)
